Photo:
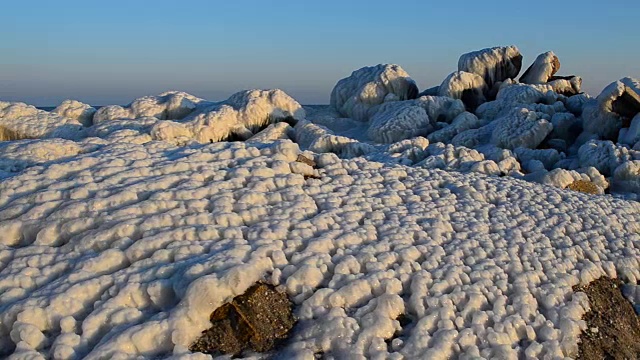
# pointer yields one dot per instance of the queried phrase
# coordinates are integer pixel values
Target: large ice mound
(358, 95)
(125, 250)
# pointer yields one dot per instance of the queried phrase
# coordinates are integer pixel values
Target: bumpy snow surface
(126, 249)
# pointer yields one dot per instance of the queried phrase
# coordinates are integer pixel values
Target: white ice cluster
(358, 95)
(123, 252)
(21, 121)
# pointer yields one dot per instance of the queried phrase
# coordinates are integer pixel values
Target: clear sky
(110, 52)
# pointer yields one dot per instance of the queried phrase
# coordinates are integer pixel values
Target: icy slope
(126, 249)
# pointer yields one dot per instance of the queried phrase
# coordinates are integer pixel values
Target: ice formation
(435, 226)
(21, 121)
(543, 68)
(170, 105)
(358, 95)
(493, 64)
(470, 88)
(606, 114)
(73, 109)
(124, 251)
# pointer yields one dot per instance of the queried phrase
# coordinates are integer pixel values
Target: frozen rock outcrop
(170, 105)
(320, 139)
(398, 122)
(21, 121)
(630, 135)
(358, 95)
(543, 68)
(469, 87)
(613, 108)
(493, 64)
(240, 117)
(463, 122)
(76, 110)
(521, 128)
(605, 156)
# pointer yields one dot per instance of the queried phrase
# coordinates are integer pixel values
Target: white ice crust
(76, 110)
(470, 88)
(495, 64)
(170, 105)
(21, 121)
(544, 66)
(358, 95)
(125, 250)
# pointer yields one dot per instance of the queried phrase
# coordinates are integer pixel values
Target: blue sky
(114, 51)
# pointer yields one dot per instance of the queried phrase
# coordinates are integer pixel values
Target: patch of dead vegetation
(584, 186)
(613, 327)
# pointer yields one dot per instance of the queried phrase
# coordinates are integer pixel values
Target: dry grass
(584, 186)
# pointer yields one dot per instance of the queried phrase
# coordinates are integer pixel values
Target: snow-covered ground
(122, 229)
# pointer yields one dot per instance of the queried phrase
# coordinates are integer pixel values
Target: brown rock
(257, 319)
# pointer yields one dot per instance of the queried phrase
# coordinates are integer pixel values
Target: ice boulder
(318, 138)
(76, 110)
(277, 131)
(521, 128)
(21, 121)
(238, 118)
(170, 105)
(613, 108)
(398, 121)
(626, 178)
(493, 64)
(461, 123)
(605, 156)
(543, 68)
(630, 135)
(358, 95)
(469, 87)
(548, 157)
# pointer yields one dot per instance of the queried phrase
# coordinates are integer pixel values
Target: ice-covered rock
(548, 157)
(240, 117)
(565, 126)
(320, 139)
(605, 156)
(616, 105)
(277, 131)
(170, 105)
(450, 157)
(521, 128)
(630, 135)
(398, 122)
(559, 178)
(441, 108)
(576, 103)
(462, 122)
(474, 137)
(21, 121)
(626, 177)
(493, 64)
(468, 87)
(543, 68)
(76, 110)
(358, 95)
